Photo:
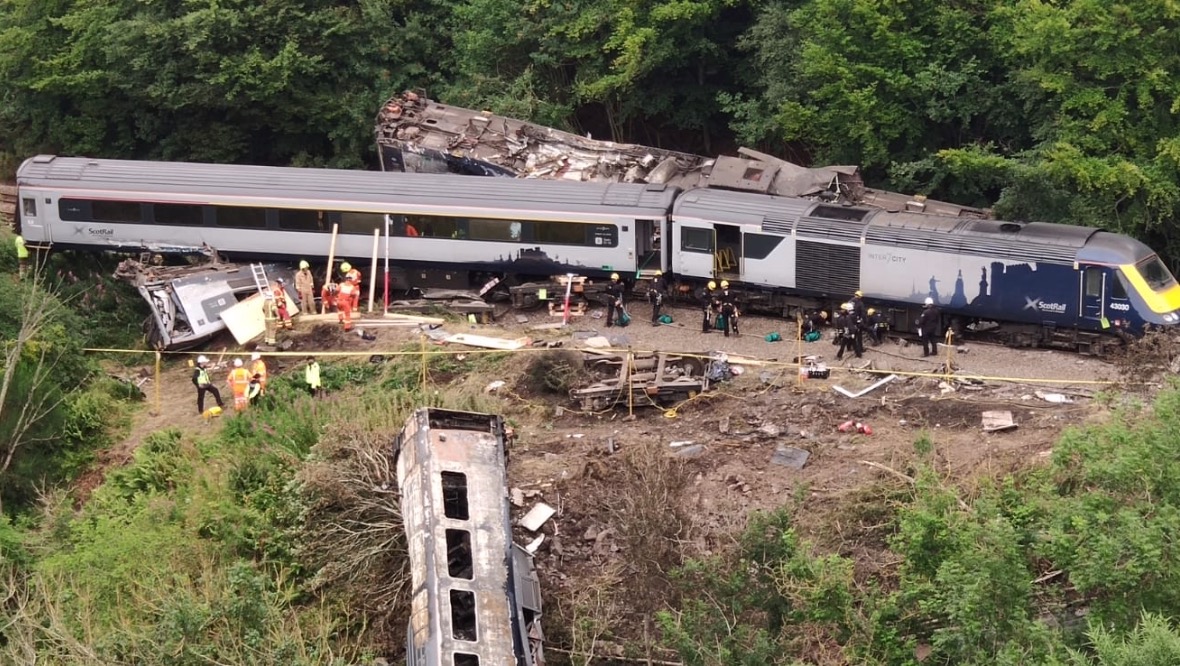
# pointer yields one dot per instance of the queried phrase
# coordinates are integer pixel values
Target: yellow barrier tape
(748, 360)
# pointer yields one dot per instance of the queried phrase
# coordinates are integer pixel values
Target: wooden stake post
(373, 268)
(331, 261)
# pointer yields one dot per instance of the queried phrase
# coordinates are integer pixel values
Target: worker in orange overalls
(354, 276)
(328, 296)
(258, 367)
(239, 383)
(344, 301)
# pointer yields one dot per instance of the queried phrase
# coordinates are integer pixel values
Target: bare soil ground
(630, 504)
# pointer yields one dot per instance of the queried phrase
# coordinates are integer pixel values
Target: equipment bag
(719, 323)
(811, 336)
(773, 337)
(624, 319)
(665, 319)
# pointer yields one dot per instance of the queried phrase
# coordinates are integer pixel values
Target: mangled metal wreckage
(186, 302)
(416, 134)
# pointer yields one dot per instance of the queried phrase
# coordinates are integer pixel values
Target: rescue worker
(849, 331)
(254, 389)
(875, 324)
(239, 385)
(270, 317)
(280, 290)
(710, 296)
(614, 301)
(344, 300)
(328, 296)
(305, 287)
(354, 276)
(22, 256)
(655, 294)
(727, 305)
(858, 304)
(311, 375)
(258, 369)
(813, 321)
(204, 384)
(929, 325)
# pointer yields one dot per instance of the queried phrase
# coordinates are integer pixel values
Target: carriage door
(1093, 291)
(647, 247)
(694, 250)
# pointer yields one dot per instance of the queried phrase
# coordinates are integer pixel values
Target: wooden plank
(397, 316)
(487, 342)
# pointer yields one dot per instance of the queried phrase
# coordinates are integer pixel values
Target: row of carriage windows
(426, 226)
(460, 564)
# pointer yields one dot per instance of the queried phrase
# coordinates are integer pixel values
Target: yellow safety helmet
(725, 284)
(712, 284)
(345, 267)
(303, 265)
(859, 293)
(659, 273)
(614, 276)
(823, 314)
(872, 311)
(847, 307)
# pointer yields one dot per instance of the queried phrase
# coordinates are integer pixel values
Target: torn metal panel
(186, 302)
(417, 134)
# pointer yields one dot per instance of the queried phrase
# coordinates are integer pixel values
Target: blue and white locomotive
(1043, 283)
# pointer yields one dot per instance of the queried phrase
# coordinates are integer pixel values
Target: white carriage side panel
(953, 280)
(416, 506)
(693, 244)
(768, 259)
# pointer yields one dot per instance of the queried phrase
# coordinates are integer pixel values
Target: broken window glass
(459, 562)
(463, 615)
(454, 489)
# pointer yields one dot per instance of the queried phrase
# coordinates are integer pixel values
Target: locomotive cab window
(1117, 290)
(1094, 282)
(1157, 276)
(696, 240)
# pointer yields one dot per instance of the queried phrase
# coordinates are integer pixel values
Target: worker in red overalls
(354, 276)
(328, 296)
(344, 301)
(239, 384)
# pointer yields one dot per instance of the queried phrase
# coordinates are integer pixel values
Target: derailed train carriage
(475, 594)
(1043, 283)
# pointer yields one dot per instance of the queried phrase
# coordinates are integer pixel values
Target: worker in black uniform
(709, 297)
(929, 328)
(813, 321)
(858, 304)
(849, 331)
(728, 308)
(875, 324)
(614, 301)
(656, 293)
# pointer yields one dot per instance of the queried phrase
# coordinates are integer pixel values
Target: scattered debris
(516, 495)
(537, 516)
(535, 544)
(680, 443)
(244, 319)
(597, 342)
(648, 380)
(694, 451)
(487, 342)
(1056, 398)
(845, 392)
(494, 386)
(998, 421)
(789, 456)
(855, 426)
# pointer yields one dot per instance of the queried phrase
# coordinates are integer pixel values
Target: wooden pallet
(557, 309)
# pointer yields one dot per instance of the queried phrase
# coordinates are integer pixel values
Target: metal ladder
(261, 281)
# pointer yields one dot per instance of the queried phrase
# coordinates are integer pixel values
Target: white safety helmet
(202, 359)
(929, 301)
(255, 356)
(237, 362)
(847, 307)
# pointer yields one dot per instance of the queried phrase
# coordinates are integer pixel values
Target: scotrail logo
(1041, 306)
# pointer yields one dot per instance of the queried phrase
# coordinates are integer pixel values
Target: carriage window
(302, 220)
(115, 211)
(29, 207)
(696, 240)
(241, 217)
(434, 227)
(459, 562)
(463, 615)
(361, 223)
(454, 489)
(494, 230)
(464, 659)
(185, 214)
(73, 210)
(559, 233)
(759, 246)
